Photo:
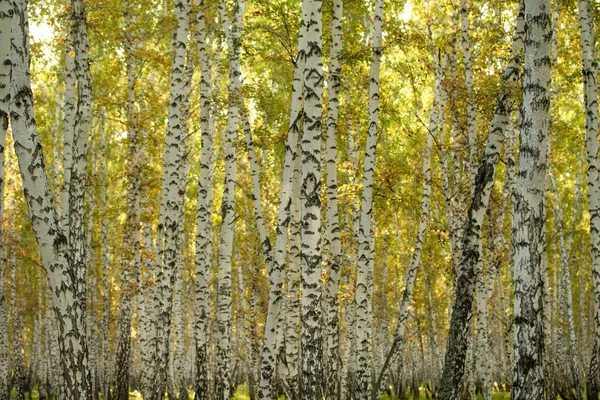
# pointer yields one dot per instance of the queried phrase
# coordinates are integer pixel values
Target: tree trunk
(203, 217)
(590, 88)
(267, 364)
(471, 256)
(471, 104)
(63, 278)
(364, 272)
(224, 305)
(333, 241)
(168, 228)
(528, 363)
(310, 383)
(566, 295)
(132, 242)
(6, 22)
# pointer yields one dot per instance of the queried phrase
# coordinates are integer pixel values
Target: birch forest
(299, 199)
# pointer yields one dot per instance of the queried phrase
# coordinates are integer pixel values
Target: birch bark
(168, 228)
(471, 105)
(333, 241)
(69, 115)
(18, 367)
(224, 305)
(566, 295)
(6, 19)
(293, 297)
(267, 365)
(310, 388)
(64, 279)
(203, 216)
(131, 243)
(590, 89)
(528, 336)
(364, 272)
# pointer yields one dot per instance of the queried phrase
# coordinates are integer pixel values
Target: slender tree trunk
(529, 222)
(6, 22)
(18, 366)
(310, 384)
(106, 355)
(471, 253)
(333, 241)
(261, 229)
(77, 185)
(291, 384)
(364, 272)
(566, 295)
(147, 328)
(132, 240)
(224, 305)
(590, 89)
(168, 228)
(268, 354)
(203, 218)
(471, 105)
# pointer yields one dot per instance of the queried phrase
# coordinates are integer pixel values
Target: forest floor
(242, 394)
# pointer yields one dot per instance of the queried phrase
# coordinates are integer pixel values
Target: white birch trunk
(268, 354)
(261, 229)
(528, 338)
(291, 382)
(566, 295)
(50, 237)
(168, 228)
(106, 354)
(310, 382)
(333, 241)
(590, 88)
(6, 20)
(364, 272)
(471, 105)
(203, 216)
(132, 240)
(224, 305)
(18, 367)
(146, 307)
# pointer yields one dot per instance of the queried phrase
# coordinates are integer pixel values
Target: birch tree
(132, 238)
(64, 279)
(6, 19)
(333, 241)
(590, 89)
(566, 295)
(223, 344)
(168, 228)
(204, 215)
(471, 105)
(528, 338)
(311, 203)
(268, 354)
(364, 272)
